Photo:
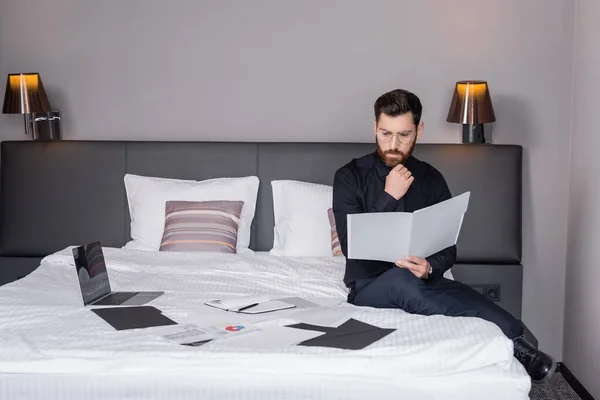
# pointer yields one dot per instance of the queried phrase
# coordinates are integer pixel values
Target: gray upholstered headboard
(56, 194)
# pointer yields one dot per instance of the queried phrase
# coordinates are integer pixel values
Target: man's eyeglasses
(403, 137)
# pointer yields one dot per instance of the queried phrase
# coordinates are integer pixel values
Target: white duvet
(44, 328)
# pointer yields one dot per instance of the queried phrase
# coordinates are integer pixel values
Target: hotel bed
(61, 194)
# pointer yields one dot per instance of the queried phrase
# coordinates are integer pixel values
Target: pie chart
(234, 328)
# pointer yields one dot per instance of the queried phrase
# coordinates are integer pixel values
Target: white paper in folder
(391, 236)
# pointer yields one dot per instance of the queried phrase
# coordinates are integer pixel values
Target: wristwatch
(429, 272)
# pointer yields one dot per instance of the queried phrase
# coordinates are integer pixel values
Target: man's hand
(418, 266)
(398, 181)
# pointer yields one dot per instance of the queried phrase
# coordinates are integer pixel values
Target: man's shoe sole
(548, 375)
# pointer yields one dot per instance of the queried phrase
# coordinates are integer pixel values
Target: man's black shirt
(359, 187)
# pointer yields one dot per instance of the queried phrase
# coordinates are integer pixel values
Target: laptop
(94, 284)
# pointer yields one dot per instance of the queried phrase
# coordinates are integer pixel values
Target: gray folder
(390, 236)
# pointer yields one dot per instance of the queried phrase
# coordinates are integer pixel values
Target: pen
(246, 307)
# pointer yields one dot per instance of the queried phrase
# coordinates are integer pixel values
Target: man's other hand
(417, 265)
(398, 181)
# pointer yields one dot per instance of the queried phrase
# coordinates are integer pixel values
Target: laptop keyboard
(115, 299)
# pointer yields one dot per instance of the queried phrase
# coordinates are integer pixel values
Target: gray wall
(310, 71)
(582, 301)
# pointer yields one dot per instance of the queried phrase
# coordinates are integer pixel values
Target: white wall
(310, 71)
(582, 301)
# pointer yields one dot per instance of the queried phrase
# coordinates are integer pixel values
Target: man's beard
(399, 156)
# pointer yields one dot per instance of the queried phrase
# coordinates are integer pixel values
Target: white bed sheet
(341, 259)
(52, 345)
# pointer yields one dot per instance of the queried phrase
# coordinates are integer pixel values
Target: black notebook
(122, 318)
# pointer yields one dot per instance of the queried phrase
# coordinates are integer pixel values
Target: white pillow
(301, 223)
(147, 197)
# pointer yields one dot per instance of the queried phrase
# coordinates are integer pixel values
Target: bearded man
(391, 179)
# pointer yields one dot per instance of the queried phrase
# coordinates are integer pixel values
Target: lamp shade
(25, 94)
(471, 104)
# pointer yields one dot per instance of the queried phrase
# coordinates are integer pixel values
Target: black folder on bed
(122, 318)
(351, 335)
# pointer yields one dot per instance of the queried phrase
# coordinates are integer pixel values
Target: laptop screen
(91, 271)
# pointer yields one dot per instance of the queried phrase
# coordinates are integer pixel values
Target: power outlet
(491, 291)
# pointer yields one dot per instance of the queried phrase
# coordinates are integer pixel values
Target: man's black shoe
(539, 365)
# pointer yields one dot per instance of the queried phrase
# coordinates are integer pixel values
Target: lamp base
(28, 119)
(43, 126)
(473, 133)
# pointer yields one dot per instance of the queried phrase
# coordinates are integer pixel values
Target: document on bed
(194, 335)
(271, 337)
(391, 236)
(327, 316)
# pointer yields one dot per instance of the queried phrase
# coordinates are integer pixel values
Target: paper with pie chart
(190, 333)
(271, 337)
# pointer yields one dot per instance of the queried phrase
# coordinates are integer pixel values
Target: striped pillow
(336, 249)
(207, 226)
